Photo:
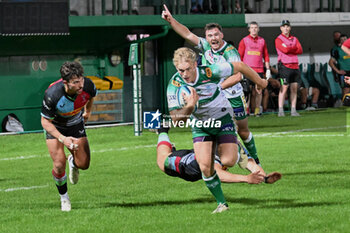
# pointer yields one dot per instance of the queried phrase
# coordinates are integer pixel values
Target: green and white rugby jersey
(212, 103)
(227, 53)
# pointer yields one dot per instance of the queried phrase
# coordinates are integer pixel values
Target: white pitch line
(94, 151)
(301, 130)
(23, 188)
(301, 136)
(21, 157)
(124, 148)
(274, 134)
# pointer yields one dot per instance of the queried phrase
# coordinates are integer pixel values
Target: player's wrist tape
(61, 139)
(268, 77)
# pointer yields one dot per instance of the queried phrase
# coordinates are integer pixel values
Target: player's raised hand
(166, 14)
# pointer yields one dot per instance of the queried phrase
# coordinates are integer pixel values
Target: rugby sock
(214, 185)
(61, 182)
(293, 109)
(64, 196)
(163, 139)
(250, 145)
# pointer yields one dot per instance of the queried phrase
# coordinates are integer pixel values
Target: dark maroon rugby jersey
(66, 110)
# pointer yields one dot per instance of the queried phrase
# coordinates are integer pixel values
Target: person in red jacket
(346, 47)
(288, 47)
(253, 52)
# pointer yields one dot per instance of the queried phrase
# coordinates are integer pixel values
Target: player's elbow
(238, 66)
(44, 122)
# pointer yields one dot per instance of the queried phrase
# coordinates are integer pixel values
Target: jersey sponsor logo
(187, 159)
(176, 83)
(81, 131)
(239, 112)
(84, 97)
(208, 72)
(229, 48)
(213, 185)
(253, 53)
(227, 127)
(45, 105)
(172, 101)
(171, 97)
(62, 105)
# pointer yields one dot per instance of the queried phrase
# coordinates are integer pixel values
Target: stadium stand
(334, 87)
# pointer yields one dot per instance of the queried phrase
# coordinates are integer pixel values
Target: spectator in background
(340, 63)
(336, 37)
(253, 52)
(337, 44)
(247, 8)
(197, 6)
(288, 47)
(315, 93)
(271, 92)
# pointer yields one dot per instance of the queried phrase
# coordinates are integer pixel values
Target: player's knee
(244, 133)
(82, 164)
(228, 161)
(206, 170)
(160, 165)
(85, 165)
(59, 167)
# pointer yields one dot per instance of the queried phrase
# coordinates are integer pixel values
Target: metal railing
(282, 6)
(120, 7)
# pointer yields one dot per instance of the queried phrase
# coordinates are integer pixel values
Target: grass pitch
(124, 191)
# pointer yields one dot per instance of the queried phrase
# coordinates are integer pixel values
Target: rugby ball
(179, 97)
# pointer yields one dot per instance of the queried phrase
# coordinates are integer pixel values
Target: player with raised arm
(216, 50)
(67, 104)
(203, 82)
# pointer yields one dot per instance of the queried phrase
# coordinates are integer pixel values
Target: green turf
(123, 190)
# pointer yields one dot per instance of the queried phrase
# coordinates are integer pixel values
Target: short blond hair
(184, 54)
